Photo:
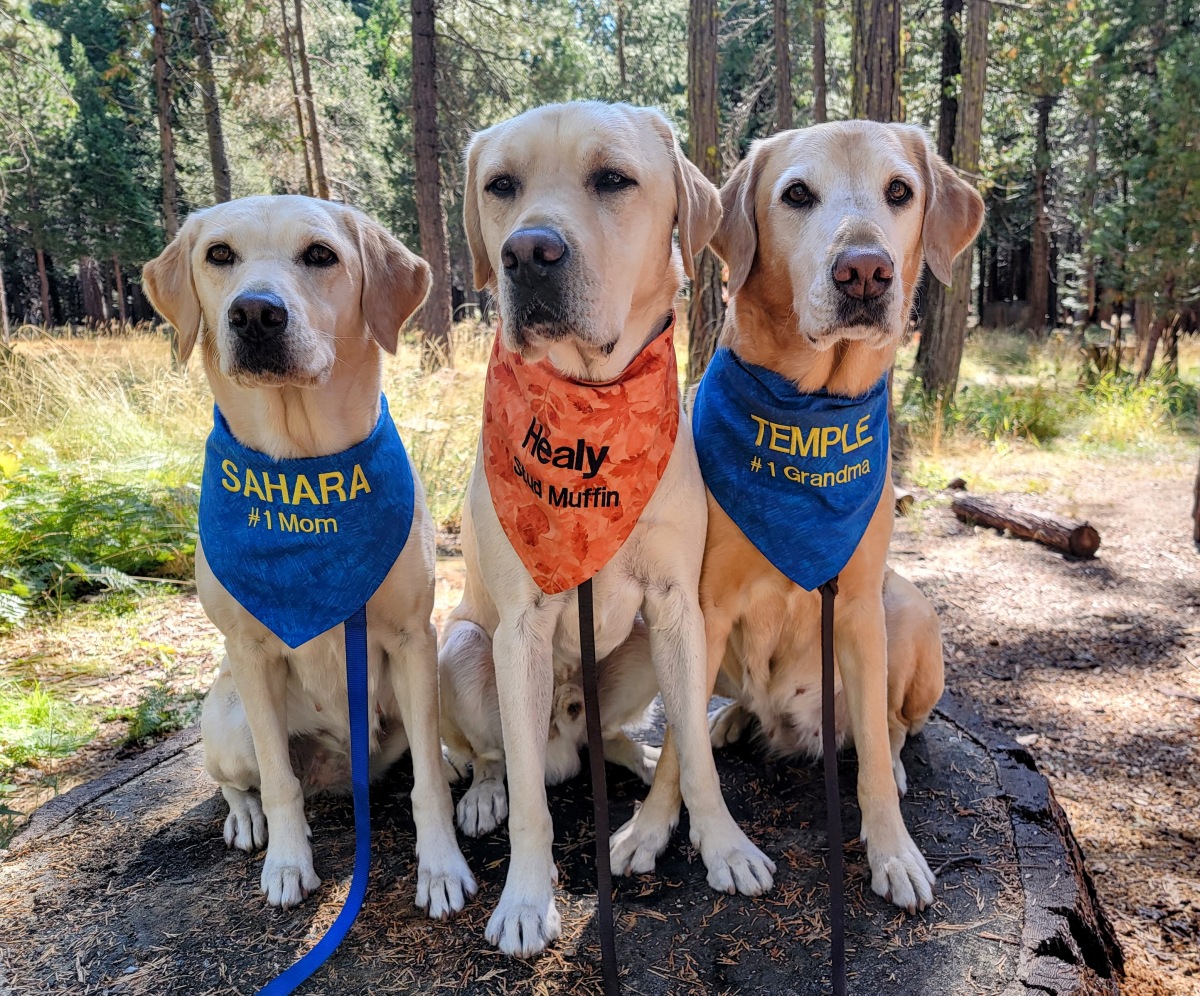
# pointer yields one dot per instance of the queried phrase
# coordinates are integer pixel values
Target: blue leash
(360, 741)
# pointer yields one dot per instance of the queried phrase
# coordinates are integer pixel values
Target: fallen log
(1079, 539)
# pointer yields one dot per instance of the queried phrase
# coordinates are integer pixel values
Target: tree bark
(950, 83)
(1079, 539)
(783, 67)
(621, 67)
(1039, 269)
(435, 316)
(44, 286)
(1196, 510)
(92, 292)
(946, 318)
(166, 138)
(119, 281)
(222, 186)
(1089, 215)
(297, 103)
(314, 132)
(1153, 334)
(820, 112)
(5, 332)
(706, 309)
(875, 90)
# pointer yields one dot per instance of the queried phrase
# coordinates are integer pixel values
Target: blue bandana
(302, 544)
(799, 474)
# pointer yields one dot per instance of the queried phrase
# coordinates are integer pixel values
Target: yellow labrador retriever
(824, 231)
(291, 299)
(569, 211)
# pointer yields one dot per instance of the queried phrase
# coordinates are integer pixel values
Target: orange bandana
(571, 466)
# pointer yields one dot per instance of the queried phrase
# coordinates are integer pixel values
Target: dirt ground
(1093, 665)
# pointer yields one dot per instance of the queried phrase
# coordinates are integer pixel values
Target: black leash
(833, 801)
(591, 707)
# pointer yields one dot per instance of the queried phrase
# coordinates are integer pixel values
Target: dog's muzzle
(863, 277)
(537, 268)
(259, 322)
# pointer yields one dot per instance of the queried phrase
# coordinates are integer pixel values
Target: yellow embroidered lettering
(231, 482)
(779, 434)
(805, 445)
(281, 487)
(358, 482)
(302, 489)
(252, 487)
(762, 427)
(863, 426)
(331, 483)
(829, 435)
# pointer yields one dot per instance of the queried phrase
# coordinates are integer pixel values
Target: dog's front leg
(526, 920)
(443, 879)
(899, 871)
(677, 645)
(261, 679)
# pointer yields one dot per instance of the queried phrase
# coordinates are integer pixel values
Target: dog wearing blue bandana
(824, 232)
(309, 510)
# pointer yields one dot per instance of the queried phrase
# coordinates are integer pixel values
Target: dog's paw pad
(635, 847)
(524, 927)
(443, 887)
(727, 725)
(246, 826)
(288, 881)
(483, 808)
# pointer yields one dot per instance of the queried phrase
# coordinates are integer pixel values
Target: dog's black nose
(258, 315)
(863, 274)
(533, 253)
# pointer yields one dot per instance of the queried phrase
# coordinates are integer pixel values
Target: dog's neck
(290, 422)
(849, 368)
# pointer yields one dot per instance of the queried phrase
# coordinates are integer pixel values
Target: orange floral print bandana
(571, 465)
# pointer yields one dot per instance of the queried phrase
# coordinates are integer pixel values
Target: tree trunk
(314, 132)
(820, 112)
(1153, 334)
(1039, 270)
(297, 103)
(946, 325)
(875, 90)
(621, 67)
(435, 316)
(783, 67)
(5, 332)
(706, 310)
(44, 287)
(1089, 215)
(120, 288)
(92, 293)
(1196, 510)
(1080, 539)
(951, 69)
(166, 138)
(222, 187)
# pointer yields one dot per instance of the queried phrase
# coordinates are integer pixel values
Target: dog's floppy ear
(736, 240)
(697, 203)
(483, 272)
(394, 279)
(953, 208)
(167, 281)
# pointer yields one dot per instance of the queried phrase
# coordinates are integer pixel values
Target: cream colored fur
(270, 702)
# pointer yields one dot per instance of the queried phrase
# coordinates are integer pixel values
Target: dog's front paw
(728, 724)
(444, 882)
(647, 762)
(734, 864)
(288, 878)
(899, 872)
(634, 848)
(245, 826)
(524, 924)
(483, 808)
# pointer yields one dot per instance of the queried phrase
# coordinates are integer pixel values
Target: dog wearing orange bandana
(585, 470)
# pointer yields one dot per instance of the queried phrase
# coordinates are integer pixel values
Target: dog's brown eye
(799, 195)
(319, 255)
(610, 179)
(220, 254)
(898, 192)
(502, 186)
